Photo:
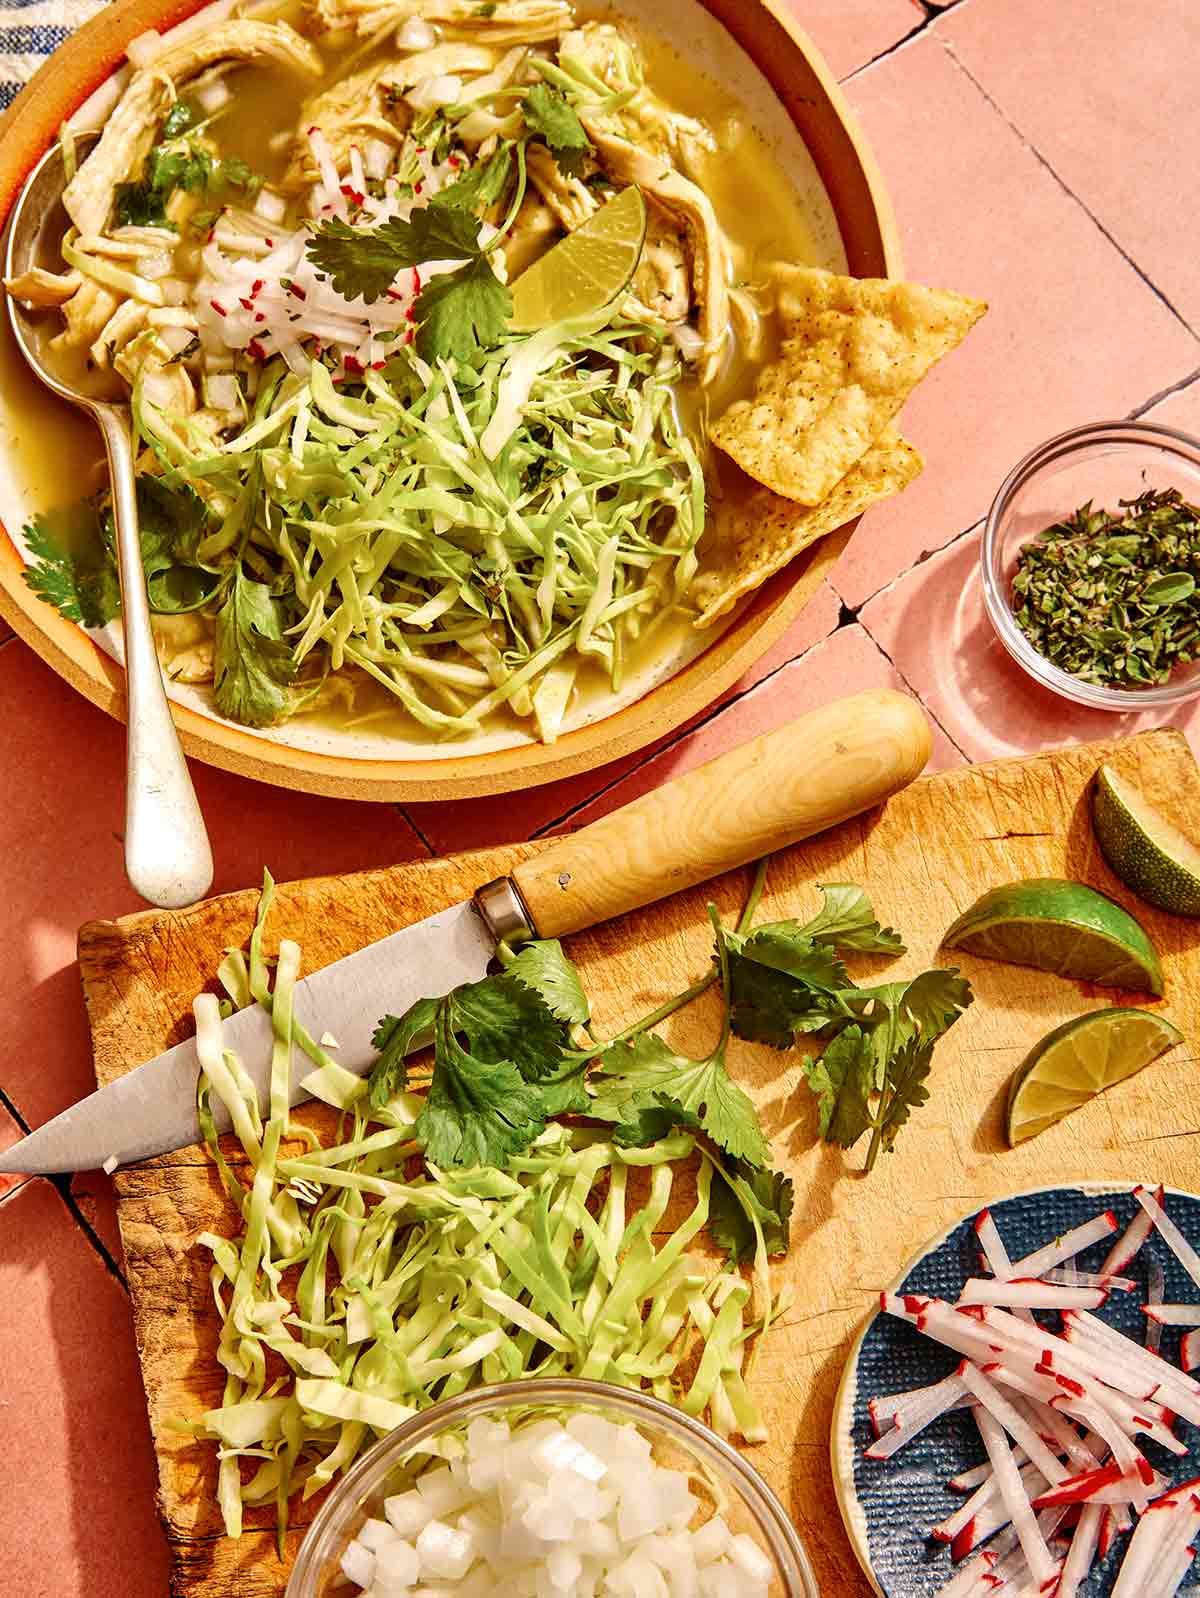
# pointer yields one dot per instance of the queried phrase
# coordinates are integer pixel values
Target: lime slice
(587, 269)
(1148, 854)
(1078, 1060)
(1062, 927)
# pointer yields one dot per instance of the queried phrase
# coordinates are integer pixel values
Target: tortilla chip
(761, 531)
(853, 351)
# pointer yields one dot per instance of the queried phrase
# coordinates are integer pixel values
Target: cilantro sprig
(457, 312)
(550, 116)
(176, 161)
(516, 1049)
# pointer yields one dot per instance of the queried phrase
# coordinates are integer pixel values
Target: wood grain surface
(924, 857)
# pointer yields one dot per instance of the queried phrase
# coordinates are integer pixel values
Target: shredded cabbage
(361, 1290)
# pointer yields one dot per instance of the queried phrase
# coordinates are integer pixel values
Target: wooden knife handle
(823, 767)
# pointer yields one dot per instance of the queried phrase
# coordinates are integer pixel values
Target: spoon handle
(167, 854)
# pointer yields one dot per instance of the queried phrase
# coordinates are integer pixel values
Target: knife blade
(820, 769)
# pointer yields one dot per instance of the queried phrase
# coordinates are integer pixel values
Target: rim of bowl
(783, 1541)
(995, 585)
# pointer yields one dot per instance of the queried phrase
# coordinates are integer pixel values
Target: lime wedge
(1143, 848)
(1078, 1060)
(1062, 927)
(587, 269)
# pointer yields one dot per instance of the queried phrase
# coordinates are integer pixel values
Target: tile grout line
(1163, 394)
(705, 721)
(928, 709)
(429, 849)
(61, 1184)
(1066, 188)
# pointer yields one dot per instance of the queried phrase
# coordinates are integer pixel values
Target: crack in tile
(1066, 187)
(926, 21)
(915, 692)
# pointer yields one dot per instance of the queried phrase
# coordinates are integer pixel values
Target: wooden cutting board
(923, 858)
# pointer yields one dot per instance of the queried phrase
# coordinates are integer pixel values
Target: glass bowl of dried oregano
(1091, 565)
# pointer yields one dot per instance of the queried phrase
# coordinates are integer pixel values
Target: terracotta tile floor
(1039, 156)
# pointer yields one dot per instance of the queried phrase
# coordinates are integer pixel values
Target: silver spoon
(167, 854)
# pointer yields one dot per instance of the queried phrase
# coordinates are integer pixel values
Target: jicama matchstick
(1029, 1293)
(1020, 1510)
(1189, 1350)
(1067, 1246)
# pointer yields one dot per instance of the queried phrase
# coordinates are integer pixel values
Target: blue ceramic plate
(889, 1505)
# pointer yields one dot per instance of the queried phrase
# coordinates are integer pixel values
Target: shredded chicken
(39, 288)
(125, 323)
(169, 382)
(605, 51)
(571, 201)
(682, 201)
(662, 281)
(85, 313)
(507, 22)
(536, 228)
(133, 126)
(185, 647)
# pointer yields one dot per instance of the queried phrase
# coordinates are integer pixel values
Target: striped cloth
(29, 31)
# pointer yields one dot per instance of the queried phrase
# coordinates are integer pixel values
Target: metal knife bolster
(504, 912)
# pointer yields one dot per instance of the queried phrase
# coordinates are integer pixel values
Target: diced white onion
(176, 339)
(174, 290)
(156, 266)
(222, 392)
(377, 157)
(144, 49)
(557, 1510)
(270, 206)
(687, 341)
(110, 1165)
(212, 97)
(416, 34)
(433, 93)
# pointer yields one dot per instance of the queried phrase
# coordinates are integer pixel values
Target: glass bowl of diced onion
(552, 1489)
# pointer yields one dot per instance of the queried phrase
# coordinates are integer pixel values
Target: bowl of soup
(397, 546)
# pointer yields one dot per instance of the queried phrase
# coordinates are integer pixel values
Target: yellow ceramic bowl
(754, 51)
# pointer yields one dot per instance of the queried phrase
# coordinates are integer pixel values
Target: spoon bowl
(167, 854)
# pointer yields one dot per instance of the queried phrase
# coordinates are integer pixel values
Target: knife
(822, 768)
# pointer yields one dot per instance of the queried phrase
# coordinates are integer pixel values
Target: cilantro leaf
(477, 1112)
(898, 1011)
(504, 1020)
(542, 966)
(905, 1091)
(787, 947)
(847, 921)
(143, 202)
(768, 1006)
(481, 185)
(551, 116)
(394, 1037)
(82, 586)
(253, 667)
(746, 1195)
(364, 261)
(843, 1078)
(460, 312)
(645, 1073)
(178, 119)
